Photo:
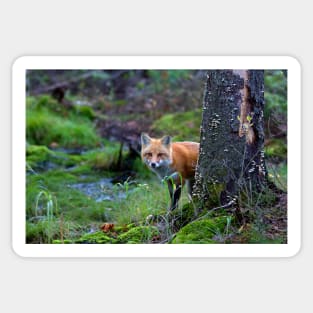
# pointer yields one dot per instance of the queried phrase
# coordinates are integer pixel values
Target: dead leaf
(106, 227)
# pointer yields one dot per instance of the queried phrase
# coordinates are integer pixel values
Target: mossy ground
(50, 123)
(63, 151)
(140, 234)
(207, 230)
(276, 152)
(183, 126)
(56, 212)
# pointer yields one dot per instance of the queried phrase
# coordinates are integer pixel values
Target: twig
(225, 206)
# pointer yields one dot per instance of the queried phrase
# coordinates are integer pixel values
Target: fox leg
(190, 183)
(176, 197)
(175, 194)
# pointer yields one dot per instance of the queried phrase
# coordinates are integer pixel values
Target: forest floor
(86, 183)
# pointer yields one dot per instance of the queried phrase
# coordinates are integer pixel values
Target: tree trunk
(231, 158)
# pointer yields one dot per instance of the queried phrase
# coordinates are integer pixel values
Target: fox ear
(145, 139)
(166, 140)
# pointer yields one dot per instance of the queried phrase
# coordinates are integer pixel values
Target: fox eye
(148, 154)
(160, 155)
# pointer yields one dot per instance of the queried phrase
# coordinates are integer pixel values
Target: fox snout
(155, 164)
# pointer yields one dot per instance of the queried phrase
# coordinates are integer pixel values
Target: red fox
(174, 161)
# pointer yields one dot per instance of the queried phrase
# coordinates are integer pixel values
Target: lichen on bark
(227, 157)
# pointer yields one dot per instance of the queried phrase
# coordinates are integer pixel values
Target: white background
(155, 28)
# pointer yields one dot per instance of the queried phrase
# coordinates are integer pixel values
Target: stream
(101, 190)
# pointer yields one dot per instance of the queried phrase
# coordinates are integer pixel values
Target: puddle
(100, 191)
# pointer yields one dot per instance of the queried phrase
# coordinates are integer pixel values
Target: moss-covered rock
(201, 231)
(96, 237)
(41, 157)
(36, 155)
(139, 234)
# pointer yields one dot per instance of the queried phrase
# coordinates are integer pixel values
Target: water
(102, 190)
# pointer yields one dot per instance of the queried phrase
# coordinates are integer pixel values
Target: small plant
(47, 205)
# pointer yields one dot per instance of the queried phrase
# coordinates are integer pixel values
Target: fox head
(156, 152)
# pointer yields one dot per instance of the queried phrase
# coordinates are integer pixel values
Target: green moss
(104, 159)
(37, 154)
(275, 94)
(201, 231)
(65, 241)
(86, 111)
(42, 158)
(82, 169)
(183, 215)
(44, 102)
(42, 231)
(97, 238)
(120, 102)
(97, 159)
(45, 125)
(123, 228)
(276, 148)
(214, 190)
(43, 128)
(49, 103)
(139, 234)
(75, 205)
(183, 126)
(278, 175)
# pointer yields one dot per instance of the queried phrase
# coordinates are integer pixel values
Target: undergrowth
(45, 125)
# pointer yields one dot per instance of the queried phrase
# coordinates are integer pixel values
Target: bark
(231, 157)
